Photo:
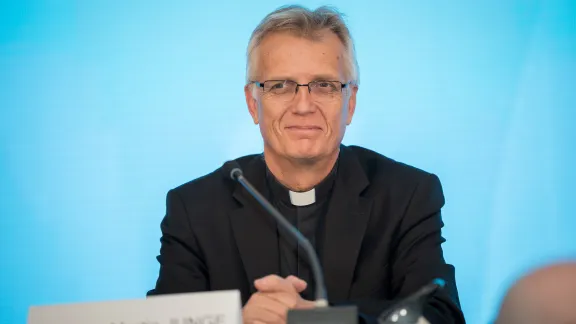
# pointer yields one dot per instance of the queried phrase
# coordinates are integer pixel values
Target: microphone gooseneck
(232, 168)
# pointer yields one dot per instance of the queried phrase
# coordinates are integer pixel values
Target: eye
(325, 86)
(277, 85)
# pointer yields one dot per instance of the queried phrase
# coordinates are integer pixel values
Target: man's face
(309, 126)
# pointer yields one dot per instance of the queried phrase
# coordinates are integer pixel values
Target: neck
(300, 175)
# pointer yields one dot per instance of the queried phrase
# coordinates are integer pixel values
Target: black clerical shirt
(309, 220)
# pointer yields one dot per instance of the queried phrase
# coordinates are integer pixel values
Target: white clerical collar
(302, 198)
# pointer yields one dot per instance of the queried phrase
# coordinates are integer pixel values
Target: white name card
(215, 307)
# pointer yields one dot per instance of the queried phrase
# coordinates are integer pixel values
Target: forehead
(285, 55)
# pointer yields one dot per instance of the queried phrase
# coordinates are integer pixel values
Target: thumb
(299, 284)
(305, 304)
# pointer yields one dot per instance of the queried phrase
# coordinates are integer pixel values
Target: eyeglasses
(285, 90)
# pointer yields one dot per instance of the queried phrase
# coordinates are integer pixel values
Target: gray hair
(304, 23)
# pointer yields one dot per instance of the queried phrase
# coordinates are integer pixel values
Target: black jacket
(382, 238)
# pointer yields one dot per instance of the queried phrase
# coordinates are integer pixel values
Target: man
(375, 223)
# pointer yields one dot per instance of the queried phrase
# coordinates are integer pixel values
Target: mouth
(304, 130)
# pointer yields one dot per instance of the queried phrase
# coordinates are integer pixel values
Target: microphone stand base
(324, 315)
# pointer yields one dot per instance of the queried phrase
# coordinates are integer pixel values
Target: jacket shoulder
(380, 168)
(215, 186)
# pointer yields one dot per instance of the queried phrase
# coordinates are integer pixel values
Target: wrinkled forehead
(285, 55)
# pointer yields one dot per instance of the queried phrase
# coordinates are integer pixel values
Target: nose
(303, 103)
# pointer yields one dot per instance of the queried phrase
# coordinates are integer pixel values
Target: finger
(299, 284)
(305, 304)
(288, 300)
(264, 301)
(257, 314)
(269, 280)
(274, 283)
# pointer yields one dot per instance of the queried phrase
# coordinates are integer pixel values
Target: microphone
(322, 313)
(409, 310)
(233, 169)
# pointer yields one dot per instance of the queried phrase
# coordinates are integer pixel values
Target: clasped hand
(275, 296)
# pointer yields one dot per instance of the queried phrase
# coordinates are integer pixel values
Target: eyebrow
(317, 77)
(325, 77)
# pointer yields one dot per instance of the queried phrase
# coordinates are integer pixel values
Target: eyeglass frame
(342, 85)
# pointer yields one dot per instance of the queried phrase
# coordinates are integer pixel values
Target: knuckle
(274, 278)
(290, 300)
(254, 299)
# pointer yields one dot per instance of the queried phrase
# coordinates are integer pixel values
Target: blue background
(106, 105)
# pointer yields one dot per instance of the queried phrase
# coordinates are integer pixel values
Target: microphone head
(409, 310)
(431, 288)
(232, 169)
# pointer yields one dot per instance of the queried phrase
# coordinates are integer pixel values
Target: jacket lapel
(256, 233)
(254, 230)
(346, 223)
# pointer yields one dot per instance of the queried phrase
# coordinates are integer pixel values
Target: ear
(251, 102)
(351, 103)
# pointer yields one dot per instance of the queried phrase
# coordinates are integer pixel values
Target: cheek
(270, 117)
(336, 119)
(344, 115)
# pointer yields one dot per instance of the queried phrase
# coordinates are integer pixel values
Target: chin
(305, 152)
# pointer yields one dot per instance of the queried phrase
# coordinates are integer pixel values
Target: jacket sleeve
(418, 259)
(182, 266)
